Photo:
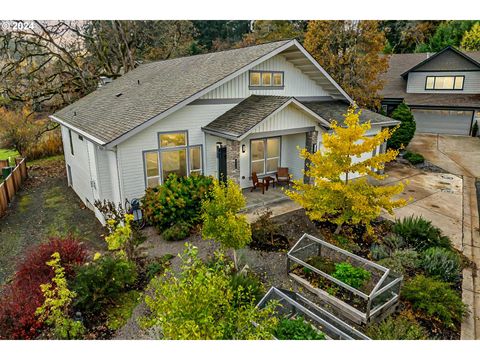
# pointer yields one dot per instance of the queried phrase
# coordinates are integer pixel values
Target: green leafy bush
(157, 266)
(177, 198)
(101, 282)
(297, 329)
(351, 275)
(413, 158)
(420, 234)
(402, 262)
(435, 300)
(246, 284)
(197, 303)
(442, 263)
(397, 328)
(404, 134)
(177, 232)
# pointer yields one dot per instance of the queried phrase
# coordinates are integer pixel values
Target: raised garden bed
(369, 292)
(293, 305)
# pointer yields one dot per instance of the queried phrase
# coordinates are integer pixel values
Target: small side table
(268, 180)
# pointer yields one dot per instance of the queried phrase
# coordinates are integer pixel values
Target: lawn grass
(6, 153)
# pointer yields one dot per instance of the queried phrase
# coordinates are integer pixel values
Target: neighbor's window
(152, 168)
(71, 141)
(265, 155)
(444, 83)
(266, 79)
(174, 156)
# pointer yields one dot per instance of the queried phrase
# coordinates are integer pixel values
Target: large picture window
(444, 82)
(265, 155)
(174, 156)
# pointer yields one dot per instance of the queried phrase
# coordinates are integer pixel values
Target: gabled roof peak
(435, 55)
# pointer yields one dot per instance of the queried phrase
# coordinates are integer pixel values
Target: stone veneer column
(312, 139)
(233, 160)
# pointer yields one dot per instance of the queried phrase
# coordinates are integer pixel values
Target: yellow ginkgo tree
(333, 194)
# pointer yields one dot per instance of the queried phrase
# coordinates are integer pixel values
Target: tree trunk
(235, 260)
(337, 230)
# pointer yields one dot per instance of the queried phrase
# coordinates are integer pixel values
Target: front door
(222, 163)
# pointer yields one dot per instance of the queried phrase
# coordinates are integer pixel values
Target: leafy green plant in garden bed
(442, 263)
(297, 329)
(413, 158)
(402, 262)
(435, 301)
(178, 198)
(246, 284)
(119, 313)
(420, 234)
(176, 232)
(101, 282)
(354, 276)
(401, 327)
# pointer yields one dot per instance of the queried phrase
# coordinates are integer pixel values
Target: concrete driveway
(434, 196)
(458, 155)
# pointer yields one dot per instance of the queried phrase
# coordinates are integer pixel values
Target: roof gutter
(77, 130)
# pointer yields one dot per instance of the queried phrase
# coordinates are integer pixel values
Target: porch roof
(334, 110)
(239, 120)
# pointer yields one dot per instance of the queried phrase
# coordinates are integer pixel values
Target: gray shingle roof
(153, 88)
(246, 114)
(241, 118)
(334, 110)
(396, 87)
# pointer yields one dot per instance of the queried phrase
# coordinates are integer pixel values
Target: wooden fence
(11, 184)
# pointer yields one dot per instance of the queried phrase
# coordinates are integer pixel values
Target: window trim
(444, 76)
(266, 173)
(72, 152)
(159, 150)
(266, 87)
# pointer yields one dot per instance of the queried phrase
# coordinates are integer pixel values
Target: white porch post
(311, 141)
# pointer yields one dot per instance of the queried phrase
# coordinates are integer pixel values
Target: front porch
(274, 199)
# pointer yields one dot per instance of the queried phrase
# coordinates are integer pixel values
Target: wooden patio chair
(283, 176)
(258, 183)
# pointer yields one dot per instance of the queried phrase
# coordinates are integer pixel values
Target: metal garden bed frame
(291, 304)
(360, 307)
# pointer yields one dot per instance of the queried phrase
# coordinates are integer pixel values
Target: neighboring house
(442, 89)
(233, 112)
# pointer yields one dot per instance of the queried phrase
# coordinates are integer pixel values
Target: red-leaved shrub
(20, 298)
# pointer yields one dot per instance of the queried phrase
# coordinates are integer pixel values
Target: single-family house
(228, 113)
(442, 89)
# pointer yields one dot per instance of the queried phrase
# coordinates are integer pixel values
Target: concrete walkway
(460, 155)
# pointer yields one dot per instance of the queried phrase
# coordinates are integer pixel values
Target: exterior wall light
(243, 148)
(314, 148)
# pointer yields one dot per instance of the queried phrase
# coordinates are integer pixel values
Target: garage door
(443, 121)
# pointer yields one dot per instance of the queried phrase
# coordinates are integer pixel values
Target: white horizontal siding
(471, 84)
(129, 152)
(295, 81)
